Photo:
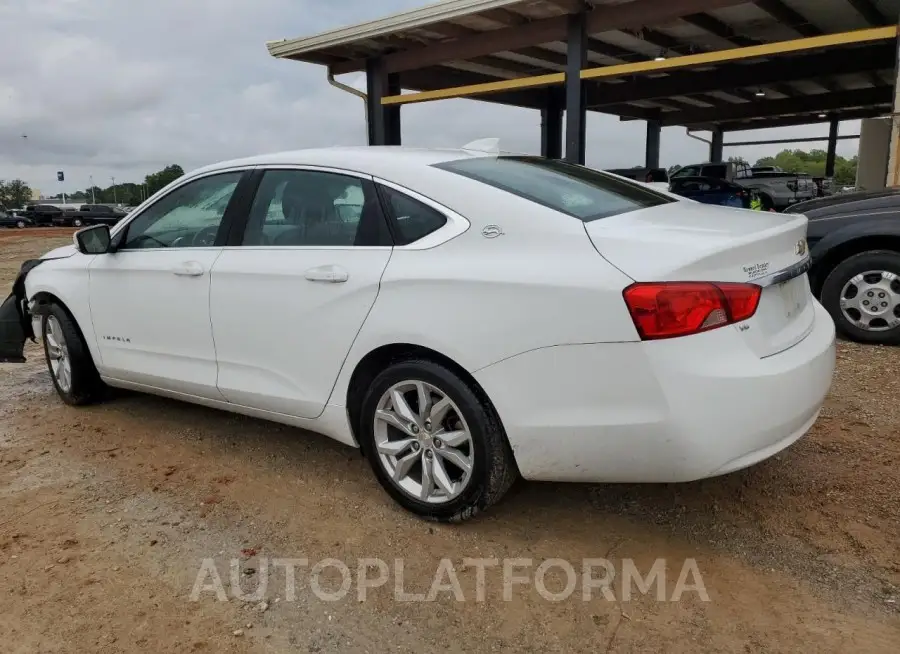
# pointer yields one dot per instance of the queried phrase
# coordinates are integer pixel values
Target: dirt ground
(107, 514)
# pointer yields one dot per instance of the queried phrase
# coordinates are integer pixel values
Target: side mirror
(93, 240)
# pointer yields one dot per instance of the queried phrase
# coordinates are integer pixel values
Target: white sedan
(463, 318)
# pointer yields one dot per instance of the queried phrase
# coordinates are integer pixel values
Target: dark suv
(43, 214)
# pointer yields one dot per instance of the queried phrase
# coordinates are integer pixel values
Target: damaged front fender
(15, 319)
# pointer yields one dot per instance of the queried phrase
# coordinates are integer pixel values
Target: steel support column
(651, 155)
(552, 125)
(576, 112)
(716, 146)
(832, 147)
(384, 121)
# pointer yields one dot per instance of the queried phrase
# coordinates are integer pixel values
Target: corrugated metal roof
(406, 20)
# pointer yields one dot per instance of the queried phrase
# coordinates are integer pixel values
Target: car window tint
(189, 216)
(413, 219)
(307, 208)
(578, 191)
(718, 170)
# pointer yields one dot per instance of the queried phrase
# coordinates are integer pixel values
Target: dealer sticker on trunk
(756, 270)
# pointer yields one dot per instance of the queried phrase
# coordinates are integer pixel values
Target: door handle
(331, 274)
(188, 269)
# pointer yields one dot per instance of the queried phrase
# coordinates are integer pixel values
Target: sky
(122, 88)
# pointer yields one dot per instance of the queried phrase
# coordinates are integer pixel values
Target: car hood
(848, 204)
(60, 253)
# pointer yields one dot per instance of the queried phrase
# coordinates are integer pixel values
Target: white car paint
(527, 299)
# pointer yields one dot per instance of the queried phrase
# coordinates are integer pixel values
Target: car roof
(372, 160)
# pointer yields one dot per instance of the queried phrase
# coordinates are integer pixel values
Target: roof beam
(601, 19)
(881, 95)
(674, 46)
(870, 12)
(834, 62)
(794, 19)
(650, 67)
(717, 28)
(810, 119)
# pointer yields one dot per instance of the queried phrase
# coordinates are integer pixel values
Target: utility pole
(93, 199)
(115, 200)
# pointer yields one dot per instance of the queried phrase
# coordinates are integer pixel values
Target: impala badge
(800, 248)
(492, 231)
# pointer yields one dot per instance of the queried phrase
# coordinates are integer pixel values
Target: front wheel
(435, 444)
(68, 359)
(20, 224)
(862, 294)
(77, 222)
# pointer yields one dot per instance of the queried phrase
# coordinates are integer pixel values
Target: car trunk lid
(695, 242)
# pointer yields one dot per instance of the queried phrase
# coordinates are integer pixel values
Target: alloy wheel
(423, 442)
(58, 354)
(871, 300)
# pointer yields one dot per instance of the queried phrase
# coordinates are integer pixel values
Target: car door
(150, 298)
(288, 299)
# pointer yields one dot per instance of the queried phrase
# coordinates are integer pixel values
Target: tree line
(16, 193)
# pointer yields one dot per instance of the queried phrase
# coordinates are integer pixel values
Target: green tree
(159, 179)
(813, 163)
(14, 193)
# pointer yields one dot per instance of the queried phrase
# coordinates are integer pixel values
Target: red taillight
(669, 309)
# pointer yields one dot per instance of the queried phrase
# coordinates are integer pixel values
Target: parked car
(9, 219)
(710, 190)
(464, 318)
(776, 189)
(854, 239)
(43, 214)
(97, 214)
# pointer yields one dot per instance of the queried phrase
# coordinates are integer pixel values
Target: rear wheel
(77, 222)
(71, 367)
(862, 294)
(20, 224)
(435, 444)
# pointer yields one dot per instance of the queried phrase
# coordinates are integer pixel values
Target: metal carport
(718, 65)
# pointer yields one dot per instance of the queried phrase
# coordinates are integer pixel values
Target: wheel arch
(828, 255)
(375, 361)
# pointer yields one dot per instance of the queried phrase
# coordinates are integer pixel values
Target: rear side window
(413, 220)
(578, 191)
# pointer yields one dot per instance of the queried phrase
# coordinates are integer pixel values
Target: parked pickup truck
(93, 214)
(776, 189)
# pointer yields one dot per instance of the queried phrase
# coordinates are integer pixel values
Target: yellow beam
(706, 58)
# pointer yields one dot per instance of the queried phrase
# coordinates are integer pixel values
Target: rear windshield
(574, 190)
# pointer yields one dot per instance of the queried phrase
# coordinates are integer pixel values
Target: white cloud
(123, 88)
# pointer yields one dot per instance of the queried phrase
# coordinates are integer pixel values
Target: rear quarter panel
(479, 300)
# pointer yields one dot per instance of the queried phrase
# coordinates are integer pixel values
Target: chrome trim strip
(794, 270)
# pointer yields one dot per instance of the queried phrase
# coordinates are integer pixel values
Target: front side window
(578, 191)
(189, 216)
(309, 208)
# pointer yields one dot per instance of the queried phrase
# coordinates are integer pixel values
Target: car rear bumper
(660, 411)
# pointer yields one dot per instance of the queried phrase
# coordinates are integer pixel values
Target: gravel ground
(108, 513)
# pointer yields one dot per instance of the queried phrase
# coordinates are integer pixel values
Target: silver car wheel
(423, 442)
(871, 300)
(58, 354)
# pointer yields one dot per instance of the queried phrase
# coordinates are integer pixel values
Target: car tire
(838, 284)
(69, 361)
(470, 415)
(77, 222)
(20, 224)
(768, 204)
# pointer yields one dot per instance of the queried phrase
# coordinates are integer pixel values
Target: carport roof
(459, 43)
